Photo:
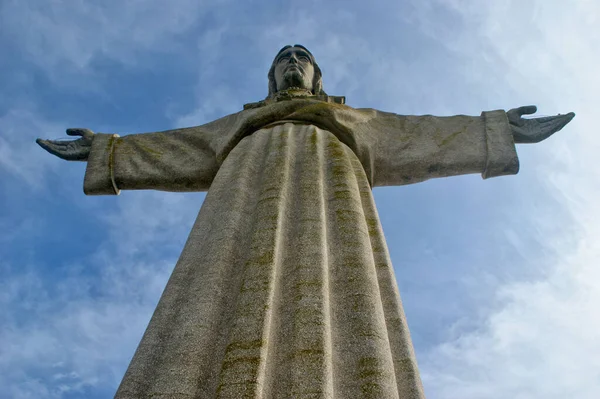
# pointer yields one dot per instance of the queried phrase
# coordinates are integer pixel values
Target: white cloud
(70, 36)
(538, 342)
(542, 340)
(219, 95)
(71, 340)
(20, 156)
(78, 332)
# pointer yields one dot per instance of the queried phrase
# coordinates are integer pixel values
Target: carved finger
(543, 119)
(514, 118)
(555, 123)
(56, 148)
(52, 143)
(526, 110)
(568, 117)
(563, 118)
(76, 131)
(539, 129)
(514, 115)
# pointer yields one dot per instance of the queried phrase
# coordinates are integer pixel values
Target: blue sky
(499, 278)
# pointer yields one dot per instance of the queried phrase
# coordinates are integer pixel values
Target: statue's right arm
(174, 160)
(414, 148)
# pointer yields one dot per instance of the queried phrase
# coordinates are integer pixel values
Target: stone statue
(284, 288)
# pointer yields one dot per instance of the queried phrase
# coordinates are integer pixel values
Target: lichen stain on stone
(248, 393)
(353, 264)
(320, 109)
(255, 286)
(136, 148)
(347, 214)
(350, 235)
(267, 229)
(339, 172)
(309, 295)
(305, 283)
(260, 201)
(313, 139)
(261, 260)
(272, 188)
(369, 333)
(252, 361)
(362, 327)
(369, 367)
(118, 144)
(150, 150)
(451, 137)
(306, 266)
(370, 371)
(373, 225)
(308, 316)
(306, 352)
(310, 220)
(360, 302)
(336, 152)
(342, 194)
(251, 310)
(371, 391)
(244, 345)
(434, 168)
(442, 139)
(406, 365)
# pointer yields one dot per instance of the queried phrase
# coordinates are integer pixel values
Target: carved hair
(317, 79)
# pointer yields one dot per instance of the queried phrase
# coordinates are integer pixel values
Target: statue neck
(293, 93)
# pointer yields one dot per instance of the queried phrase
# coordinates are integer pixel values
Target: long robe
(285, 288)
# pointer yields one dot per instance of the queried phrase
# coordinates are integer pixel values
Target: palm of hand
(536, 129)
(75, 150)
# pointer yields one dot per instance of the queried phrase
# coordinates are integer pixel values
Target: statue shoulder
(291, 95)
(225, 122)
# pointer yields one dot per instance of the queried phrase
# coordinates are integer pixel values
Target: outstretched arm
(410, 149)
(175, 160)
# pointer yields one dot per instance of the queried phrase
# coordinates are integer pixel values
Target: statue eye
(284, 58)
(304, 58)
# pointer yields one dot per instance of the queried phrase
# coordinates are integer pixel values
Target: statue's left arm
(410, 149)
(185, 159)
(174, 160)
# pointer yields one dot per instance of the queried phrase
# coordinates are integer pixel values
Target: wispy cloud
(542, 338)
(66, 39)
(72, 324)
(20, 157)
(77, 333)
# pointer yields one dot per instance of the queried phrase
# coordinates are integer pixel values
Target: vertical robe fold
(285, 288)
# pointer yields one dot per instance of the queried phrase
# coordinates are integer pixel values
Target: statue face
(293, 68)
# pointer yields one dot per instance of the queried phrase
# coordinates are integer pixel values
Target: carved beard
(295, 78)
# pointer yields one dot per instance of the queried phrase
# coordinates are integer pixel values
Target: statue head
(295, 66)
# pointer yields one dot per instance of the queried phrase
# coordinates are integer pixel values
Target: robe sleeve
(174, 160)
(410, 149)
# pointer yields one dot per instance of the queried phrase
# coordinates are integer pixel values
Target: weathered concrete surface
(285, 288)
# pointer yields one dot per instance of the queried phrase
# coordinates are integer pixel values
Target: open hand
(74, 150)
(536, 129)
